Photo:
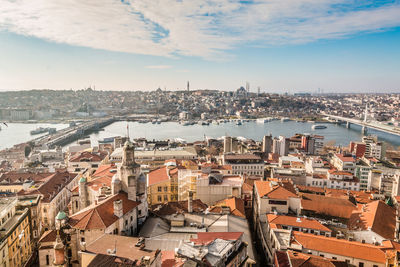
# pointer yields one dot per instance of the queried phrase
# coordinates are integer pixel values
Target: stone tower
(129, 171)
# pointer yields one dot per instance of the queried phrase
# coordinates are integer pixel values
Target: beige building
(15, 234)
(119, 249)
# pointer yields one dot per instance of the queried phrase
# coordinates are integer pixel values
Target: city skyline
(279, 46)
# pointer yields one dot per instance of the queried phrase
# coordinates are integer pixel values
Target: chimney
(118, 208)
(190, 202)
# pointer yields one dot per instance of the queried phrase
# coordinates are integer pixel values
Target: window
(277, 202)
(334, 258)
(165, 197)
(361, 264)
(82, 239)
(159, 189)
(321, 255)
(47, 260)
(165, 188)
(159, 198)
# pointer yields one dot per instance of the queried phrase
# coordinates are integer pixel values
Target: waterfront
(17, 133)
(170, 130)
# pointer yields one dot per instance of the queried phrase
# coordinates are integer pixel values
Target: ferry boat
(41, 130)
(318, 126)
(285, 119)
(239, 122)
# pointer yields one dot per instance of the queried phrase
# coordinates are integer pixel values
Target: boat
(106, 140)
(263, 120)
(153, 121)
(316, 127)
(239, 122)
(41, 130)
(185, 123)
(285, 119)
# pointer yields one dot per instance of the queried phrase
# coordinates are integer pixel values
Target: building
(215, 187)
(270, 197)
(114, 250)
(162, 185)
(249, 164)
(14, 182)
(374, 223)
(86, 160)
(215, 249)
(297, 259)
(344, 163)
(16, 244)
(312, 144)
(277, 226)
(266, 144)
(55, 195)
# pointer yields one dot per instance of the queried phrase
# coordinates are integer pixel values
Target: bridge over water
(365, 125)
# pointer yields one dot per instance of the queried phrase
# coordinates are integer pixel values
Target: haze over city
(281, 46)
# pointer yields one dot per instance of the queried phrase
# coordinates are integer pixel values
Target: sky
(277, 45)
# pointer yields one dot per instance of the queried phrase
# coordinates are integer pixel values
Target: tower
(129, 171)
(227, 144)
(187, 86)
(267, 144)
(83, 193)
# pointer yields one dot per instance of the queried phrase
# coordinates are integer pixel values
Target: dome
(61, 216)
(82, 180)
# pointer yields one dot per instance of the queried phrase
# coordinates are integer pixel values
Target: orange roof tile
(336, 207)
(270, 190)
(296, 222)
(341, 247)
(158, 175)
(236, 205)
(102, 215)
(377, 216)
(105, 170)
(203, 238)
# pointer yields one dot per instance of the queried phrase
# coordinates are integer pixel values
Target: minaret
(59, 252)
(129, 171)
(83, 193)
(187, 86)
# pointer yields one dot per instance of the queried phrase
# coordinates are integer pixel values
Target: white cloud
(158, 67)
(202, 28)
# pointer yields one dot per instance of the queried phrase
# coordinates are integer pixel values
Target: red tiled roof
(159, 175)
(19, 178)
(88, 156)
(236, 205)
(52, 186)
(345, 158)
(377, 216)
(296, 222)
(105, 170)
(168, 259)
(204, 238)
(102, 215)
(266, 188)
(341, 247)
(336, 207)
(298, 259)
